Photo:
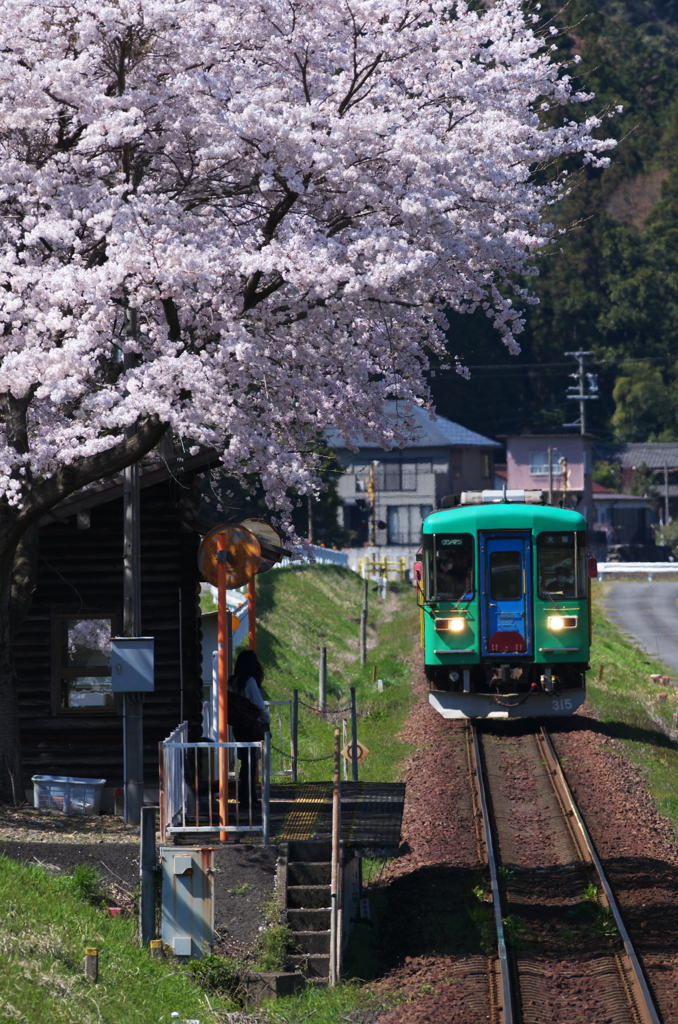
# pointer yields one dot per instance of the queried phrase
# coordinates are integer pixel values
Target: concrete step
(314, 966)
(308, 896)
(304, 872)
(313, 850)
(312, 942)
(309, 920)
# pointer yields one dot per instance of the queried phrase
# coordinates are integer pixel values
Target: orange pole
(223, 667)
(252, 613)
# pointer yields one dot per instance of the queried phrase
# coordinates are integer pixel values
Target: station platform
(371, 814)
(371, 817)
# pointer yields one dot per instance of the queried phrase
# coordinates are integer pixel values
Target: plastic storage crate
(67, 794)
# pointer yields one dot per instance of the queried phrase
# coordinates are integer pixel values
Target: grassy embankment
(627, 702)
(300, 610)
(45, 926)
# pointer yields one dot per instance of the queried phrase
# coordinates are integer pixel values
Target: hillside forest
(610, 285)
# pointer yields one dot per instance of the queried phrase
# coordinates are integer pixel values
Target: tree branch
(44, 495)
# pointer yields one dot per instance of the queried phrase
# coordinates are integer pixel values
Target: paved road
(649, 613)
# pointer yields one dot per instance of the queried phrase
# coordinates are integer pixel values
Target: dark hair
(247, 664)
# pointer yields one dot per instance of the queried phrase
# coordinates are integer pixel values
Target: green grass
(300, 610)
(45, 927)
(347, 1002)
(626, 700)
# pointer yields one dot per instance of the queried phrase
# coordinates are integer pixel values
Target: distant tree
(645, 405)
(608, 474)
(643, 481)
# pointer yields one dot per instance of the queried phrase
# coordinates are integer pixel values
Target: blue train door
(506, 593)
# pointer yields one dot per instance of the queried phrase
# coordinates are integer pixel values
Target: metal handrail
(175, 794)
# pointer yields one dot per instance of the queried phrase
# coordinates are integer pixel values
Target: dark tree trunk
(18, 561)
(10, 750)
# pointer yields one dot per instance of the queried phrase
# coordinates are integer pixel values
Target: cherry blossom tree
(240, 220)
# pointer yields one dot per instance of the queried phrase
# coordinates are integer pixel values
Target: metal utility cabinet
(187, 900)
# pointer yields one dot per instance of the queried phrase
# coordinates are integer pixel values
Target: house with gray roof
(661, 457)
(387, 495)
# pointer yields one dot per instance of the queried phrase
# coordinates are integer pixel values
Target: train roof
(503, 516)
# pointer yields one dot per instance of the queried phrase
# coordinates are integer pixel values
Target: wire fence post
(363, 624)
(294, 731)
(354, 737)
(322, 680)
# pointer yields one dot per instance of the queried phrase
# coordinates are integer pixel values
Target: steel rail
(640, 989)
(507, 995)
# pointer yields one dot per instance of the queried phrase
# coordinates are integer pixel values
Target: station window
(506, 575)
(450, 566)
(82, 655)
(561, 564)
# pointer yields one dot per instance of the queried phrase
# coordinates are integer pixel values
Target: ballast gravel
(637, 845)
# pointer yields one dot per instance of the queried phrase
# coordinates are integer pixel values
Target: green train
(504, 596)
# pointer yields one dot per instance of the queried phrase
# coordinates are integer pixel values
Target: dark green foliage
(608, 474)
(218, 973)
(86, 884)
(274, 946)
(610, 284)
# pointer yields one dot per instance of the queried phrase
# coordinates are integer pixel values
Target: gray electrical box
(132, 669)
(187, 900)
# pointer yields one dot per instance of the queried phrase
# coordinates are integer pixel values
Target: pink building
(527, 463)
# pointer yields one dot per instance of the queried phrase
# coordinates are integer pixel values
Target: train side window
(561, 564)
(506, 575)
(451, 567)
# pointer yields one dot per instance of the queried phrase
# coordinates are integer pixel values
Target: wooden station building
(71, 722)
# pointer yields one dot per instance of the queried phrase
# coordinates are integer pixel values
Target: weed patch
(45, 925)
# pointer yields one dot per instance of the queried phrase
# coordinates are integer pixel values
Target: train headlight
(558, 622)
(455, 625)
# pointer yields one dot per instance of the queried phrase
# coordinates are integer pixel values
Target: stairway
(309, 871)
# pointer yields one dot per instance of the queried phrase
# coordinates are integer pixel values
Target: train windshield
(561, 561)
(450, 576)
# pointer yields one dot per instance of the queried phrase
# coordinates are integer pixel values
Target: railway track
(563, 952)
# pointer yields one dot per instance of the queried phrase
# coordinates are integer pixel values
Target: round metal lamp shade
(243, 555)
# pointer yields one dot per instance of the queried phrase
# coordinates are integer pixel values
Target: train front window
(451, 576)
(561, 564)
(506, 575)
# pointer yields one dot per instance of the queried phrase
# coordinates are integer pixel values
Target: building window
(397, 476)
(539, 463)
(82, 656)
(487, 466)
(404, 523)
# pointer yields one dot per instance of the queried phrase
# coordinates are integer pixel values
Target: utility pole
(578, 391)
(133, 703)
(372, 497)
(550, 459)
